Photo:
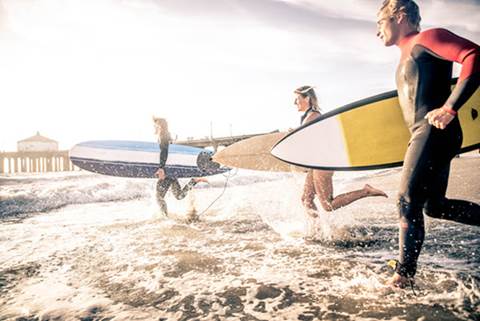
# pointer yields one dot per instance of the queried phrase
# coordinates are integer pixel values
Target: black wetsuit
(307, 112)
(164, 184)
(423, 82)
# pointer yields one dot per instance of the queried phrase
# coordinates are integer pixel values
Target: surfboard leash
(223, 191)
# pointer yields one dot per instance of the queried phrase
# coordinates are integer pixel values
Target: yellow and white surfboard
(368, 134)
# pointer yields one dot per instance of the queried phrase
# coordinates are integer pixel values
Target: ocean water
(79, 246)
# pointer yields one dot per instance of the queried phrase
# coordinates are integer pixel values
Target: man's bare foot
(399, 281)
(372, 191)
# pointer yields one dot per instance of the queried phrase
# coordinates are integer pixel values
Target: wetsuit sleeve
(164, 142)
(449, 46)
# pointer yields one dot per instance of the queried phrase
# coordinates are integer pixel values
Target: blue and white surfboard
(141, 159)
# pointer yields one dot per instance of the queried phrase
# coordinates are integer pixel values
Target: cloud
(464, 14)
(461, 14)
(350, 24)
(345, 9)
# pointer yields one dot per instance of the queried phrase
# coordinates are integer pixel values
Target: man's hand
(160, 173)
(440, 117)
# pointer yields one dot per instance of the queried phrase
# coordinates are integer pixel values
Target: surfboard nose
(280, 151)
(218, 157)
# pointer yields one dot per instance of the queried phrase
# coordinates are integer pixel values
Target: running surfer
(164, 181)
(320, 182)
(429, 107)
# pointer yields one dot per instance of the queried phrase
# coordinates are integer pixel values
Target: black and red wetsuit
(423, 82)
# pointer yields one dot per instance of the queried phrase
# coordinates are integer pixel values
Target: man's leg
(412, 196)
(424, 181)
(438, 206)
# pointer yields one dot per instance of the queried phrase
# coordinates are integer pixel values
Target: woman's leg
(324, 189)
(308, 195)
(161, 190)
(179, 192)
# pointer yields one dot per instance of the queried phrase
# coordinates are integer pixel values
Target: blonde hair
(407, 7)
(307, 91)
(161, 127)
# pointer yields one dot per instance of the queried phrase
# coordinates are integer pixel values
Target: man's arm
(449, 46)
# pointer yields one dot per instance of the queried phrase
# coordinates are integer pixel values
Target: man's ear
(400, 18)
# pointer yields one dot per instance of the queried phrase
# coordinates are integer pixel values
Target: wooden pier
(215, 142)
(35, 162)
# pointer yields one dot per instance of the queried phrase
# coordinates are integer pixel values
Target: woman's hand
(160, 173)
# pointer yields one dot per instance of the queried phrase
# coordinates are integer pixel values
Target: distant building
(37, 143)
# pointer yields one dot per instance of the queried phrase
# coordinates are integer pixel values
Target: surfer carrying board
(164, 181)
(319, 182)
(429, 107)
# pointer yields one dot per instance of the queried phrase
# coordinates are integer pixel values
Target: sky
(78, 70)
